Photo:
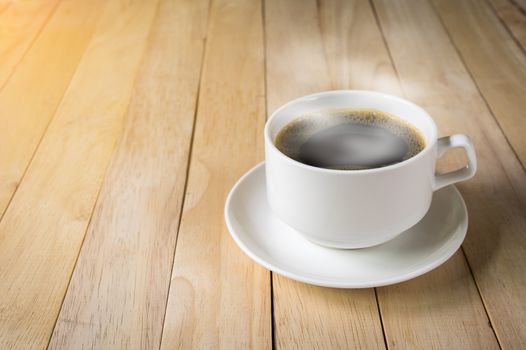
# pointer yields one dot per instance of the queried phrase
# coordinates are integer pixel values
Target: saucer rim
(456, 242)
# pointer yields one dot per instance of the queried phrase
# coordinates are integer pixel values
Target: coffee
(351, 139)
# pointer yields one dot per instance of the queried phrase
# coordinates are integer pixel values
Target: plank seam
(377, 20)
(39, 141)
(272, 318)
(108, 165)
(187, 175)
(49, 122)
(35, 37)
(76, 259)
(402, 87)
(265, 82)
(523, 11)
(381, 319)
(505, 25)
(320, 30)
(461, 58)
(480, 295)
(481, 94)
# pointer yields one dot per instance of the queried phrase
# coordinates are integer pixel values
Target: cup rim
(422, 153)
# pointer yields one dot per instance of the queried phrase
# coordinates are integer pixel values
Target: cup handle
(467, 172)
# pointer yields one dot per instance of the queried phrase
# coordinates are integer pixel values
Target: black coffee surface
(349, 140)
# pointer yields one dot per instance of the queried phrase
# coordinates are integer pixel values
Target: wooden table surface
(124, 124)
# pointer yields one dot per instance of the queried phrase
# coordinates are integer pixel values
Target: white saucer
(280, 248)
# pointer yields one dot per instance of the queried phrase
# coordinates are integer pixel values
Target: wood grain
(308, 317)
(434, 76)
(496, 63)
(520, 3)
(218, 297)
(311, 317)
(42, 230)
(117, 295)
(354, 50)
(440, 310)
(20, 23)
(513, 17)
(4, 6)
(32, 94)
(357, 58)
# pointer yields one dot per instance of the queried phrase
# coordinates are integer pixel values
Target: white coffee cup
(357, 208)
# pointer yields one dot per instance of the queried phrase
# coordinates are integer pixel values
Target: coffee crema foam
(349, 139)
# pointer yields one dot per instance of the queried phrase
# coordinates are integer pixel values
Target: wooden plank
(31, 96)
(307, 316)
(513, 17)
(20, 23)
(218, 297)
(496, 63)
(354, 49)
(521, 4)
(4, 6)
(434, 76)
(311, 317)
(43, 228)
(357, 58)
(287, 44)
(129, 245)
(440, 310)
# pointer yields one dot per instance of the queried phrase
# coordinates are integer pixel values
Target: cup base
(278, 247)
(345, 246)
